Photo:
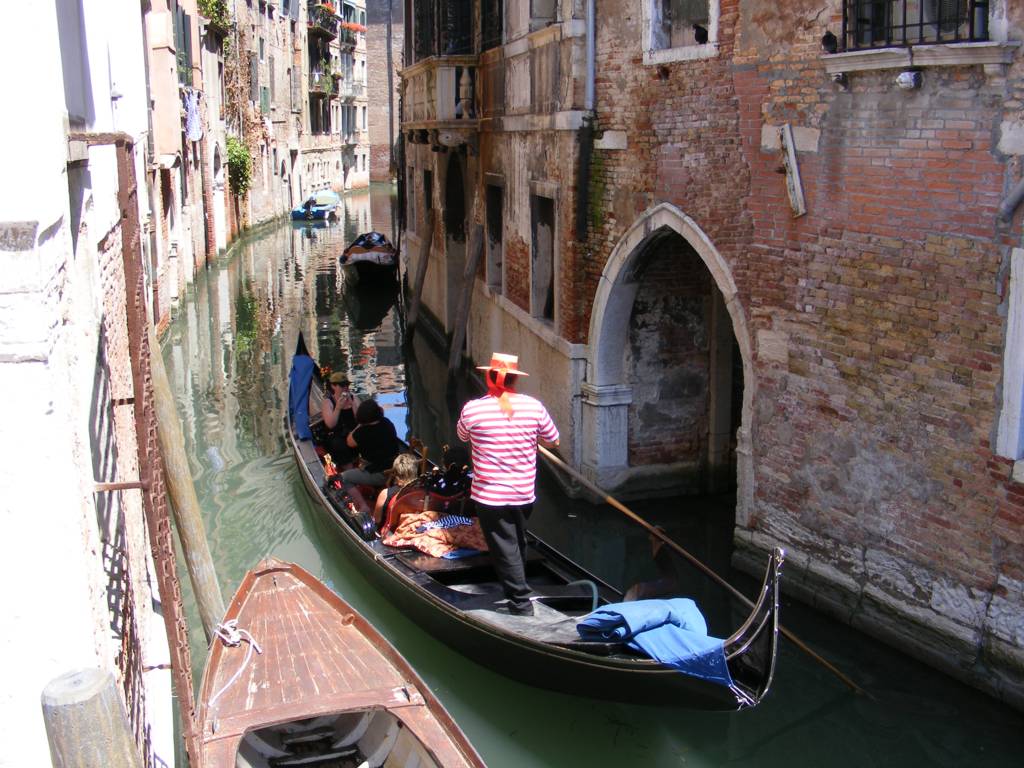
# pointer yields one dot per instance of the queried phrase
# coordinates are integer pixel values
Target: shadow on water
(228, 355)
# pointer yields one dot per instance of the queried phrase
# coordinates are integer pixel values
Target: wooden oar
(678, 549)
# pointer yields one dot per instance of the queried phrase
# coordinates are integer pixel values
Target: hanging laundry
(193, 123)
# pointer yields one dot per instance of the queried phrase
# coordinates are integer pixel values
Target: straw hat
(503, 364)
(339, 378)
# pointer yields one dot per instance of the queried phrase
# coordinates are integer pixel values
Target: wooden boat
(461, 602)
(324, 687)
(373, 259)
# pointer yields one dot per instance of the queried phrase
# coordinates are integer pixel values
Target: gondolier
(503, 428)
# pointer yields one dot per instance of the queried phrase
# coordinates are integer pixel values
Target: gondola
(459, 600)
(296, 677)
(372, 259)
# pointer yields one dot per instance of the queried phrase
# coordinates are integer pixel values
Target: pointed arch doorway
(667, 403)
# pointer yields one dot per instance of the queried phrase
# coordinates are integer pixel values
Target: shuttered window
(254, 78)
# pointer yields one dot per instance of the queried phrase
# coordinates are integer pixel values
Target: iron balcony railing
(347, 37)
(322, 20)
(886, 23)
(350, 89)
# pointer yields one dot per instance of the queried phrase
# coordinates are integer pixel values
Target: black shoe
(521, 610)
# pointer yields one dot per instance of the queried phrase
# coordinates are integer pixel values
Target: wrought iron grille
(886, 23)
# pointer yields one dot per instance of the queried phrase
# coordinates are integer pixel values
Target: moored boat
(373, 259)
(296, 677)
(320, 206)
(460, 600)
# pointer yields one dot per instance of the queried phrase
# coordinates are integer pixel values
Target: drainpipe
(588, 95)
(1011, 201)
(586, 135)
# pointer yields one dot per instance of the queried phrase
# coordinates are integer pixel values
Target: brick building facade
(382, 110)
(747, 261)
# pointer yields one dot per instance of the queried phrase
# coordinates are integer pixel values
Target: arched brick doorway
(666, 284)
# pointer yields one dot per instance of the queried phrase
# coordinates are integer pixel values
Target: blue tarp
(298, 394)
(672, 632)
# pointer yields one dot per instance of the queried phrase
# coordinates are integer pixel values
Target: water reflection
(228, 356)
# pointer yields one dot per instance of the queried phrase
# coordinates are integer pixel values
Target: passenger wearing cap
(338, 410)
(503, 428)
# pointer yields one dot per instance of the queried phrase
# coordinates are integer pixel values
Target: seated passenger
(338, 410)
(404, 470)
(375, 438)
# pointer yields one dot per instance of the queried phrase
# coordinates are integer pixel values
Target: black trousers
(505, 531)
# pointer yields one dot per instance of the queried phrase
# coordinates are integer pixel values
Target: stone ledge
(948, 55)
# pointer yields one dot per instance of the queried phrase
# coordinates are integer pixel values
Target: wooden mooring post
(421, 276)
(184, 502)
(86, 724)
(476, 249)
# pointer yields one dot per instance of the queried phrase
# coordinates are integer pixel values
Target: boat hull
(544, 666)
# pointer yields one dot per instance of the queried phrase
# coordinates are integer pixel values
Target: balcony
(322, 20)
(350, 89)
(347, 38)
(321, 84)
(350, 139)
(439, 106)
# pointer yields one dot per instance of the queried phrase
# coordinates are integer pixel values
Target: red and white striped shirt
(505, 449)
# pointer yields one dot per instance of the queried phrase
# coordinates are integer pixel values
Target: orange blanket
(435, 542)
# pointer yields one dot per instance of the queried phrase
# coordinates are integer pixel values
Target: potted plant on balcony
(353, 26)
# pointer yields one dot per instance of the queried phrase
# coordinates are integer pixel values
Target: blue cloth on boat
(457, 554)
(299, 379)
(672, 632)
(444, 522)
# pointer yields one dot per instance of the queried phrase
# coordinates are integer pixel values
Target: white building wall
(54, 219)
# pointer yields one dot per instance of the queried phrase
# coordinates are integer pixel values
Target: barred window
(886, 23)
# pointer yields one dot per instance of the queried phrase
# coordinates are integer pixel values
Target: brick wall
(874, 410)
(377, 81)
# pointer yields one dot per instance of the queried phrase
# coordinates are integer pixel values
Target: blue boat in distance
(319, 206)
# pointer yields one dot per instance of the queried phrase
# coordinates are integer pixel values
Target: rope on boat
(232, 636)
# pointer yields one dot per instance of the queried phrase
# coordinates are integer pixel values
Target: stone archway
(606, 392)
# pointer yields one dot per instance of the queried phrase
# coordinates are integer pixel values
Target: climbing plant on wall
(239, 166)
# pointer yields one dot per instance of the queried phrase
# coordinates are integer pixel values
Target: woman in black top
(375, 439)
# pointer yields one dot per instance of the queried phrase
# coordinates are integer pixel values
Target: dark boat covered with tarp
(320, 206)
(461, 602)
(373, 259)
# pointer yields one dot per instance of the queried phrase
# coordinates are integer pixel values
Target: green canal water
(228, 355)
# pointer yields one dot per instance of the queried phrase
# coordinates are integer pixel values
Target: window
(493, 24)
(263, 49)
(410, 203)
(542, 265)
(495, 227)
(364, 118)
(680, 30)
(265, 100)
(271, 78)
(886, 23)
(428, 191)
(183, 44)
(543, 13)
